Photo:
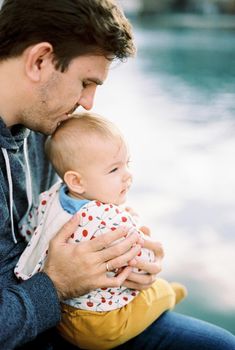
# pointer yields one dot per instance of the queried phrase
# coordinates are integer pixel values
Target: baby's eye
(113, 170)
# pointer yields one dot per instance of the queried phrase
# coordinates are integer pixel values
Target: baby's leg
(106, 330)
(180, 291)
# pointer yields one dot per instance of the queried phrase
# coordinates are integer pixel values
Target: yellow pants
(106, 330)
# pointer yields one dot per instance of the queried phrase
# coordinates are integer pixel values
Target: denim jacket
(28, 308)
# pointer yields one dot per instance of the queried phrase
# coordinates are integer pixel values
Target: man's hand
(75, 269)
(143, 281)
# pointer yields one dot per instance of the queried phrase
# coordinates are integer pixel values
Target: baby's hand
(132, 212)
(142, 281)
(145, 230)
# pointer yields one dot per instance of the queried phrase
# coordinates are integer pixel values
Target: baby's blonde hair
(63, 146)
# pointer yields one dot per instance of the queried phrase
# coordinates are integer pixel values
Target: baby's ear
(74, 181)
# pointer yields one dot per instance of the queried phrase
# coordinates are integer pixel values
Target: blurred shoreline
(226, 22)
(203, 16)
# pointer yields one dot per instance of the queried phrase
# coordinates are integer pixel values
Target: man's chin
(46, 131)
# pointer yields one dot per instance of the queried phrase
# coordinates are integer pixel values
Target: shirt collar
(69, 204)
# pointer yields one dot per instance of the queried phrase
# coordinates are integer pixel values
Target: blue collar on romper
(69, 204)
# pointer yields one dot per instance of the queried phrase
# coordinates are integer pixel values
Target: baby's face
(105, 172)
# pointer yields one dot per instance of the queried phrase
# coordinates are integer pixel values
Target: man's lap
(173, 331)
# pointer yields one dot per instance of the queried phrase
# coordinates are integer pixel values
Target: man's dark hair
(72, 27)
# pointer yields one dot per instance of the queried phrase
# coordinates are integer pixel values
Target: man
(53, 55)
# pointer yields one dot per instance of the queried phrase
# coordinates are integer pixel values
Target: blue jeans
(173, 331)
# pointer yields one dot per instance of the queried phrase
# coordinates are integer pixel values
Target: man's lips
(63, 118)
(73, 109)
(68, 114)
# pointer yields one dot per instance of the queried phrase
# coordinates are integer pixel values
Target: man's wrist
(60, 294)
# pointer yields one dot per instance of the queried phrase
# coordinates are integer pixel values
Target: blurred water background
(175, 102)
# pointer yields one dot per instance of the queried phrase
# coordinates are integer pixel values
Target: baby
(91, 156)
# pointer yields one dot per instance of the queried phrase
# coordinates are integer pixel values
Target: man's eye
(113, 170)
(84, 84)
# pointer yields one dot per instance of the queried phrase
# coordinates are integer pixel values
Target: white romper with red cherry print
(44, 221)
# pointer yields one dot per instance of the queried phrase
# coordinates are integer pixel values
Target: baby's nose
(128, 178)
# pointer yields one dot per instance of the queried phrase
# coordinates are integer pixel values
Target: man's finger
(121, 248)
(148, 267)
(141, 279)
(107, 239)
(118, 280)
(122, 259)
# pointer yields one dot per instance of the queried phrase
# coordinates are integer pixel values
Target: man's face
(61, 93)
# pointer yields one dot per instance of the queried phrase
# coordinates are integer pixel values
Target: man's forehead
(92, 67)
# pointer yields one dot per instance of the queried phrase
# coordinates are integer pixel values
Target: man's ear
(38, 60)
(74, 182)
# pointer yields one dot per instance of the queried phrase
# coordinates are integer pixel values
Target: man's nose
(87, 98)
